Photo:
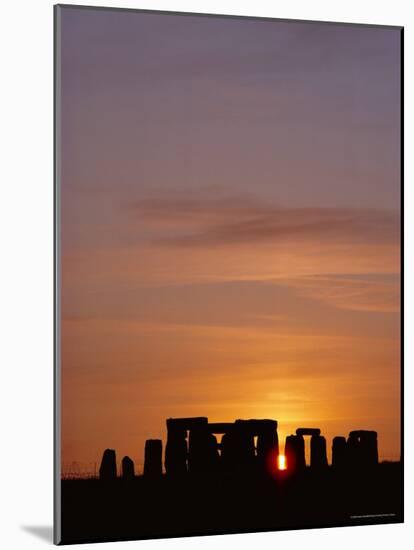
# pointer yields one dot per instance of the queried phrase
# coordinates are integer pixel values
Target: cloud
(227, 221)
(365, 292)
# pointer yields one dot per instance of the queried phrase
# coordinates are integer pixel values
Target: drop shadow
(43, 532)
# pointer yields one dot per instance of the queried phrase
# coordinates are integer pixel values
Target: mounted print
(228, 274)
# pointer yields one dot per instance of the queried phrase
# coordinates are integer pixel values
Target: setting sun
(281, 462)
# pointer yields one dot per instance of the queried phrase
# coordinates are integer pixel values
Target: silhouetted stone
(153, 458)
(128, 469)
(203, 456)
(361, 433)
(237, 448)
(107, 470)
(256, 426)
(362, 448)
(318, 452)
(353, 451)
(176, 451)
(339, 452)
(268, 446)
(237, 444)
(246, 448)
(186, 423)
(308, 431)
(228, 451)
(370, 448)
(220, 427)
(244, 438)
(290, 451)
(295, 452)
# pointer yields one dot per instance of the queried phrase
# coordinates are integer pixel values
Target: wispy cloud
(221, 222)
(365, 292)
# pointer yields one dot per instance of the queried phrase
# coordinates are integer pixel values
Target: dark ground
(96, 511)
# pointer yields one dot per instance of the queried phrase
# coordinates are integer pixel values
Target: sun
(281, 462)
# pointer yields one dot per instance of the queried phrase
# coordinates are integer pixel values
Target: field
(93, 510)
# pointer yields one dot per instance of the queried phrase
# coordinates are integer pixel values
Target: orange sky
(315, 350)
(230, 228)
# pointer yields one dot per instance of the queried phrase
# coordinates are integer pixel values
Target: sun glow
(281, 462)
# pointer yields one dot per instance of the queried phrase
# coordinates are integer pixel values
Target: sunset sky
(230, 194)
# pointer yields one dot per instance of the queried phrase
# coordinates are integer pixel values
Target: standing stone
(203, 456)
(268, 446)
(339, 452)
(244, 444)
(107, 470)
(153, 458)
(368, 449)
(295, 452)
(354, 451)
(362, 448)
(300, 452)
(290, 452)
(228, 451)
(237, 448)
(318, 452)
(176, 452)
(128, 469)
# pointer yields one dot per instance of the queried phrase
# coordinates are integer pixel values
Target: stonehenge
(196, 446)
(358, 452)
(295, 449)
(192, 445)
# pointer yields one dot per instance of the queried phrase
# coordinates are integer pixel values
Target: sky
(230, 227)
